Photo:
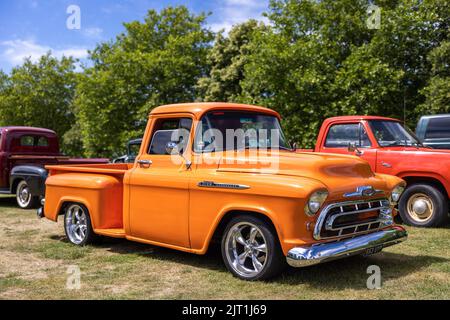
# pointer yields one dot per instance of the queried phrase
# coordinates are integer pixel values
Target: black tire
(24, 198)
(274, 260)
(429, 195)
(89, 236)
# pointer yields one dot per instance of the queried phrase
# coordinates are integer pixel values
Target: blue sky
(30, 28)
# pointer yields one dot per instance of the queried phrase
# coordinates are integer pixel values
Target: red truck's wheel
(250, 249)
(423, 205)
(77, 225)
(24, 198)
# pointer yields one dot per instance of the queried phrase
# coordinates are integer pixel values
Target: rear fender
(35, 177)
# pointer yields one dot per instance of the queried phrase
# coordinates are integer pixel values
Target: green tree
(227, 59)
(154, 62)
(39, 94)
(320, 59)
(437, 92)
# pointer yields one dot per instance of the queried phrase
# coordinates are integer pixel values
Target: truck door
(159, 184)
(340, 135)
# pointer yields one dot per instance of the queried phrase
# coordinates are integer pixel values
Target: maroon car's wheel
(24, 198)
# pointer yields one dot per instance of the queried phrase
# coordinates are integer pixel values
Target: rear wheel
(250, 249)
(78, 226)
(24, 198)
(423, 205)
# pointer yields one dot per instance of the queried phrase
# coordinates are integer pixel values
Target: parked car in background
(434, 131)
(24, 151)
(391, 148)
(133, 147)
(187, 188)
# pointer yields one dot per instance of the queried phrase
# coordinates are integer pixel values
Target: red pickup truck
(24, 151)
(391, 148)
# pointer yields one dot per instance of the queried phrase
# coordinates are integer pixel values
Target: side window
(175, 130)
(42, 142)
(438, 128)
(340, 135)
(27, 141)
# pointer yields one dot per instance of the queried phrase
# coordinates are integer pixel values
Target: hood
(339, 173)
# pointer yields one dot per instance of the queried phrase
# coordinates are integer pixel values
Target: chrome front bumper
(365, 244)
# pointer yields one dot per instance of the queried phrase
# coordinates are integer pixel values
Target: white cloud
(93, 33)
(233, 12)
(15, 51)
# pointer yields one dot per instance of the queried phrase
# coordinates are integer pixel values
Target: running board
(113, 233)
(5, 191)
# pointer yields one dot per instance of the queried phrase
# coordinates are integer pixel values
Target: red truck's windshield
(393, 133)
(235, 130)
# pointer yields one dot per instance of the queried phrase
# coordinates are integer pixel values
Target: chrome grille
(351, 218)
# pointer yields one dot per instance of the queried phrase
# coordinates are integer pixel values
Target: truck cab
(24, 152)
(434, 131)
(390, 147)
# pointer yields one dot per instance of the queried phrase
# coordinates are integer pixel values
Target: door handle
(145, 163)
(385, 164)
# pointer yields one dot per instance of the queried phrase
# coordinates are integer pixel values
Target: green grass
(35, 256)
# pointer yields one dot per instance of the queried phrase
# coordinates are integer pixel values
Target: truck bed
(99, 187)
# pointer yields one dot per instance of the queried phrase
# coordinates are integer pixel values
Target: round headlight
(315, 202)
(396, 193)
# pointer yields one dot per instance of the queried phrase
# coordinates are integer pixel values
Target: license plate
(373, 250)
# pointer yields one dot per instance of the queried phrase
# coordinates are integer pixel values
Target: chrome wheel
(420, 207)
(76, 224)
(246, 249)
(23, 194)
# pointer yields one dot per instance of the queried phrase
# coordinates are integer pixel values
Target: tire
(24, 198)
(78, 226)
(255, 263)
(423, 205)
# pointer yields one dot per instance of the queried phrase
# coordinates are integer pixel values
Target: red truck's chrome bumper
(365, 244)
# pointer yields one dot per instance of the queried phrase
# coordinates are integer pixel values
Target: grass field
(35, 256)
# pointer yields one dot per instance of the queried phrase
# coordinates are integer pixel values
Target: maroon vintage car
(24, 151)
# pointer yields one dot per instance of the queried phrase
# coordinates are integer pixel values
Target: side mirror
(352, 147)
(172, 148)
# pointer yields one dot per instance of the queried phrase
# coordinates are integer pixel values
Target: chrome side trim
(366, 244)
(384, 204)
(212, 184)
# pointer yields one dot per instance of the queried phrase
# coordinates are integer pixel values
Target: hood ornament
(363, 191)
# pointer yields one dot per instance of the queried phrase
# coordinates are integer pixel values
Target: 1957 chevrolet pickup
(264, 202)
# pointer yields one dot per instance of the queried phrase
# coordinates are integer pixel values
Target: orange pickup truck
(265, 203)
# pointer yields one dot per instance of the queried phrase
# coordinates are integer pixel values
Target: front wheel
(250, 249)
(24, 198)
(423, 205)
(78, 226)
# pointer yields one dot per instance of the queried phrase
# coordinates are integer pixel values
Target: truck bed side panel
(102, 194)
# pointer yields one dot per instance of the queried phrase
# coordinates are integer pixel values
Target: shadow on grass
(7, 201)
(340, 274)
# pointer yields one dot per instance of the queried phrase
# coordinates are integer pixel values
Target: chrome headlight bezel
(397, 193)
(315, 202)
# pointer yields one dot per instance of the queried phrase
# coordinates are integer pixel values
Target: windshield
(237, 130)
(392, 133)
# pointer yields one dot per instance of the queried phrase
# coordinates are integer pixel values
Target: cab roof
(199, 108)
(26, 129)
(359, 118)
